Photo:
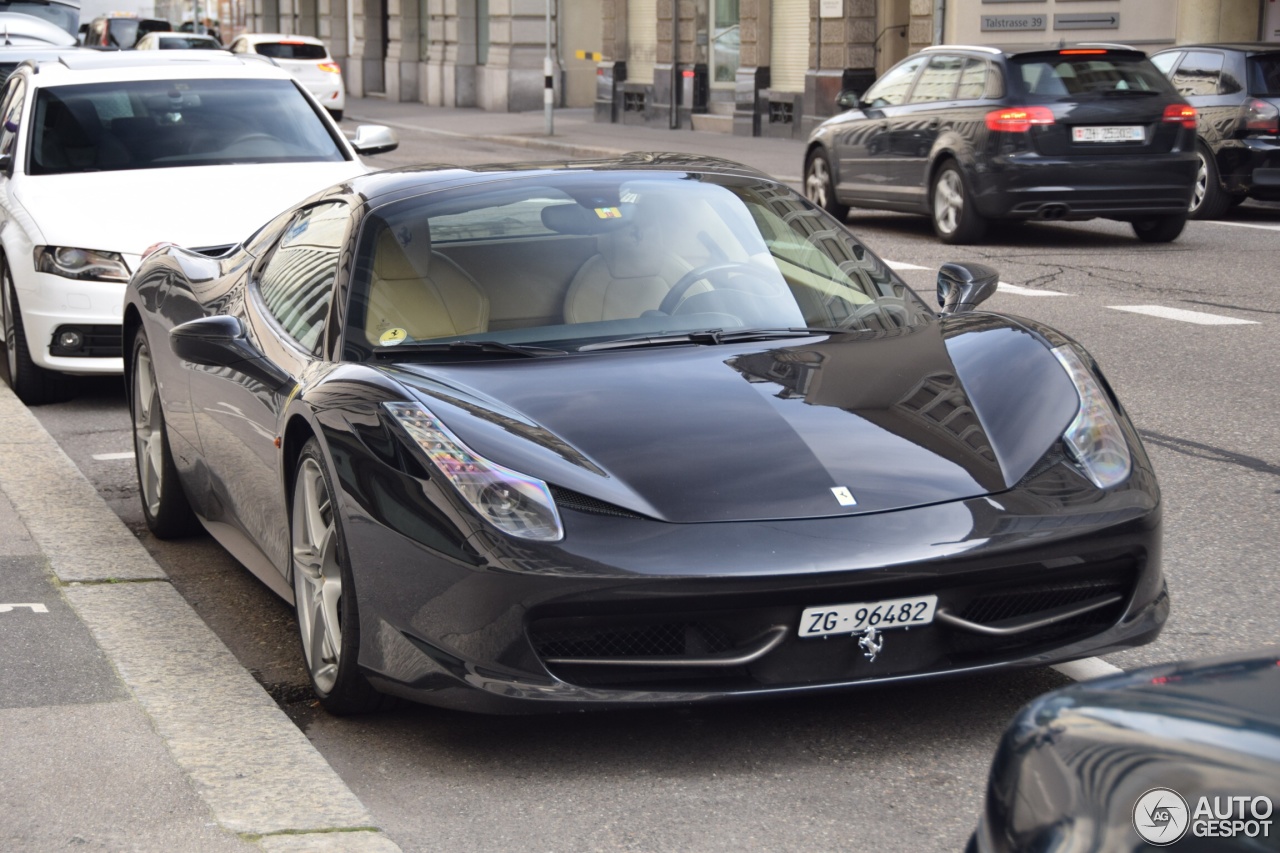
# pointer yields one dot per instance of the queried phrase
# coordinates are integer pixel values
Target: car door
(914, 128)
(863, 144)
(17, 241)
(284, 307)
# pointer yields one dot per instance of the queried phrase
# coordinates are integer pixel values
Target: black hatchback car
(972, 134)
(1235, 89)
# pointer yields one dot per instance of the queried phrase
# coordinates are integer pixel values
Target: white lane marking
(35, 608)
(1198, 317)
(1083, 670)
(1006, 287)
(1247, 225)
(108, 457)
(899, 265)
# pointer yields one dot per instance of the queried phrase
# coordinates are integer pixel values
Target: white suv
(103, 155)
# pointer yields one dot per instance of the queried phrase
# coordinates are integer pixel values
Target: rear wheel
(324, 594)
(819, 185)
(954, 218)
(33, 384)
(337, 114)
(1159, 229)
(1208, 201)
(164, 504)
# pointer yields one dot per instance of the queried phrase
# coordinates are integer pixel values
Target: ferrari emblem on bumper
(871, 642)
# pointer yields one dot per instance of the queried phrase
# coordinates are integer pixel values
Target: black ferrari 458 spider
(654, 429)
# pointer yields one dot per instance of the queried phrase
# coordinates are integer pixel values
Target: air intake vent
(569, 499)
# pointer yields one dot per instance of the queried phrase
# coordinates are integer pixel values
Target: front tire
(1159, 229)
(324, 594)
(165, 507)
(33, 385)
(955, 220)
(1208, 201)
(819, 185)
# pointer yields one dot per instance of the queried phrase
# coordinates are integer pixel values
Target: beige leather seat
(421, 291)
(633, 269)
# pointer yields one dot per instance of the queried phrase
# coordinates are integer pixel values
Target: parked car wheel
(1159, 229)
(337, 114)
(324, 594)
(954, 218)
(820, 187)
(33, 384)
(165, 507)
(1208, 201)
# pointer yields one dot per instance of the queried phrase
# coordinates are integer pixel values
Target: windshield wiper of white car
(707, 336)
(404, 352)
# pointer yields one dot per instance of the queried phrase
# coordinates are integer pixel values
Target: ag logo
(1160, 816)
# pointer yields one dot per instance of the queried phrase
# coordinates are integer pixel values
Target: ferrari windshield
(570, 260)
(156, 124)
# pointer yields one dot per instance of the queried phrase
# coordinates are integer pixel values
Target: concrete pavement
(125, 724)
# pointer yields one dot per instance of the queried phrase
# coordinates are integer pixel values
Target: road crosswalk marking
(108, 457)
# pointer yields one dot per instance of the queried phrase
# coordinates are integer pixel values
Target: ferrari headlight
(84, 264)
(515, 504)
(1094, 436)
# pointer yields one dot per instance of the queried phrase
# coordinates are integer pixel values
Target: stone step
(713, 123)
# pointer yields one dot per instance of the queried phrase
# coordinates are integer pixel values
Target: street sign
(830, 8)
(1087, 21)
(1009, 23)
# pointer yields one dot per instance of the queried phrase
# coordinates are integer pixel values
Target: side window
(14, 100)
(1198, 73)
(891, 89)
(938, 80)
(973, 80)
(1166, 61)
(297, 282)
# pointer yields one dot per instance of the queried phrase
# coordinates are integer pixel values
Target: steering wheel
(697, 274)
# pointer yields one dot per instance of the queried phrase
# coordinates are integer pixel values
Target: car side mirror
(220, 341)
(848, 99)
(962, 287)
(374, 139)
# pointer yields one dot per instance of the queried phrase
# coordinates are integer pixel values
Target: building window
(724, 42)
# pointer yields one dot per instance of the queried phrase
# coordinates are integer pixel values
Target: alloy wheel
(819, 178)
(948, 201)
(148, 430)
(317, 574)
(1201, 186)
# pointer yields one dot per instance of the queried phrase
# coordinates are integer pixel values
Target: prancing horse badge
(844, 496)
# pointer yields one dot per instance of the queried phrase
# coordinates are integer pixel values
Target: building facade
(750, 67)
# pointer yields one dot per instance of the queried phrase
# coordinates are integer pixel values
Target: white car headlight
(83, 264)
(1094, 436)
(515, 504)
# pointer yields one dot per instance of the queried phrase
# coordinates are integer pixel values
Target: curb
(257, 772)
(570, 148)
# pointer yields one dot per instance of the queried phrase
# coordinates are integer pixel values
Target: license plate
(1127, 133)
(850, 618)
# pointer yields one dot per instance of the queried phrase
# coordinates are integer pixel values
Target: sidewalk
(578, 135)
(125, 724)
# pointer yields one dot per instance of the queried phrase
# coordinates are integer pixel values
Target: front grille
(1027, 602)
(668, 639)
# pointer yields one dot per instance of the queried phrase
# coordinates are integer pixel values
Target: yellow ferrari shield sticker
(608, 213)
(391, 337)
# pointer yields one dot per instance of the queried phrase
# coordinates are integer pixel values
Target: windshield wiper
(399, 351)
(707, 336)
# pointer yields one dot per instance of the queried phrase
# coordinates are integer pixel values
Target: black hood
(932, 413)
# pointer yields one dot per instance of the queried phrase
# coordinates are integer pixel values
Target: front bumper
(1031, 186)
(481, 623)
(54, 302)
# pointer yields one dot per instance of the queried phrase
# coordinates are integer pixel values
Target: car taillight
(1018, 119)
(1260, 117)
(1183, 114)
(331, 67)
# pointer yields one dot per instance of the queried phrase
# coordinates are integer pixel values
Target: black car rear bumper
(587, 622)
(1251, 167)
(1030, 186)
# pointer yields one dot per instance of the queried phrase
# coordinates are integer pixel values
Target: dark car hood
(934, 413)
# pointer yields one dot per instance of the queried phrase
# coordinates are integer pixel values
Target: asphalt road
(897, 769)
